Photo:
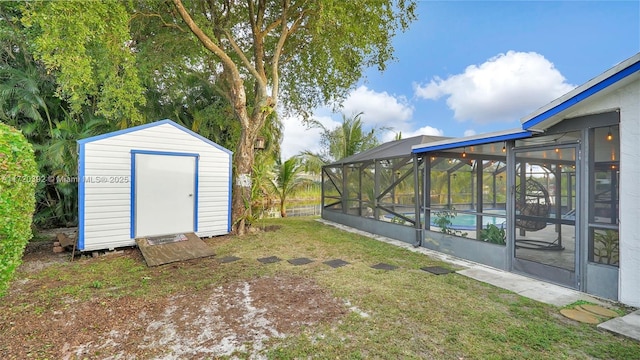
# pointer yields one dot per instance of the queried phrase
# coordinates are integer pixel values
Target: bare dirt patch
(236, 318)
(39, 255)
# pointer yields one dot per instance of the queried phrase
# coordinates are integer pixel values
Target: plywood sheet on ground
(191, 248)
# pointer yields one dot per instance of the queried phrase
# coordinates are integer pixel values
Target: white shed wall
(627, 99)
(107, 204)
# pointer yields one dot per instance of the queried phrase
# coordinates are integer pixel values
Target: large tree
(300, 53)
(30, 101)
(260, 55)
(88, 48)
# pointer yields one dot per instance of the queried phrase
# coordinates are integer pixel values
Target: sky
(472, 67)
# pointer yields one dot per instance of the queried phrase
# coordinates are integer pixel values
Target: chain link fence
(294, 210)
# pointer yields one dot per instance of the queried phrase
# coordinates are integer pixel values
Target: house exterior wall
(627, 99)
(105, 184)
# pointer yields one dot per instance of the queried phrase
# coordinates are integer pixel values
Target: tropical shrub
(443, 219)
(493, 234)
(18, 178)
(606, 247)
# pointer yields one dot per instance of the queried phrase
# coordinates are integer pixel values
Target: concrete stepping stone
(336, 263)
(299, 261)
(228, 259)
(436, 270)
(597, 310)
(269, 260)
(383, 266)
(581, 316)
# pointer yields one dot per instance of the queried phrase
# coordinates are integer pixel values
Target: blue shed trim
(478, 141)
(133, 185)
(132, 198)
(150, 125)
(581, 96)
(81, 195)
(195, 194)
(230, 192)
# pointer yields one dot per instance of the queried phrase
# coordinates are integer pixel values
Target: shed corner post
(81, 195)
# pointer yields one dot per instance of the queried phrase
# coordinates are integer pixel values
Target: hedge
(18, 176)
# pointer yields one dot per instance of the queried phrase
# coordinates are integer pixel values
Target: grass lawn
(405, 313)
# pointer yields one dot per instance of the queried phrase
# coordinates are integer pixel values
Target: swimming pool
(468, 221)
(464, 221)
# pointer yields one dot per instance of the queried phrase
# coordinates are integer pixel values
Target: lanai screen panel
(377, 183)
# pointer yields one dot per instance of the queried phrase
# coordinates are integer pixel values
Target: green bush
(494, 234)
(18, 177)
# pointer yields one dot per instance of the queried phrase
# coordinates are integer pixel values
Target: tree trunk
(243, 166)
(283, 209)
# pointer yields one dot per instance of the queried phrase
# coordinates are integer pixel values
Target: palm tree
(287, 181)
(57, 201)
(350, 138)
(345, 140)
(261, 186)
(21, 100)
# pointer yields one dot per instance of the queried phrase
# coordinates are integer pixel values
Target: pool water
(463, 221)
(468, 221)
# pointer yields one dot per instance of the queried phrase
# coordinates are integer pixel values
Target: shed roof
(391, 149)
(150, 125)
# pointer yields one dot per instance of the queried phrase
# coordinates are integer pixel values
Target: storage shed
(151, 180)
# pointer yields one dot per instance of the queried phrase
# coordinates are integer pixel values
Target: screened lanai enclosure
(376, 188)
(466, 188)
(452, 196)
(556, 199)
(459, 192)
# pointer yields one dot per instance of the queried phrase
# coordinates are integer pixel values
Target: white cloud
(469, 132)
(379, 108)
(297, 137)
(426, 130)
(504, 88)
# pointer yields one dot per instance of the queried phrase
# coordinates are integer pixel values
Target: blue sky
(470, 67)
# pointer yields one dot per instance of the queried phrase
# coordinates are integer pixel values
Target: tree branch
(164, 23)
(240, 99)
(275, 77)
(280, 45)
(258, 41)
(204, 39)
(243, 58)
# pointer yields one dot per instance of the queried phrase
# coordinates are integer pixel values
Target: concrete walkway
(544, 292)
(628, 325)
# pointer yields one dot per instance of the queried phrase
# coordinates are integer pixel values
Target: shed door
(165, 198)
